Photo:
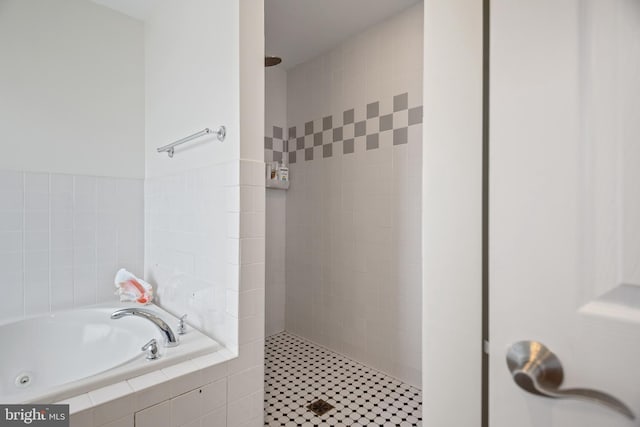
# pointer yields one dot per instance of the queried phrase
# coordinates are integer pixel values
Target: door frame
(454, 207)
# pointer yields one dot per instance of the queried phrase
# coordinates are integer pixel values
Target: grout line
(50, 247)
(24, 244)
(95, 239)
(73, 239)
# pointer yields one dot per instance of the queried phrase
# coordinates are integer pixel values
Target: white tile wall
(205, 250)
(63, 237)
(205, 247)
(275, 257)
(275, 115)
(353, 221)
(193, 244)
(246, 374)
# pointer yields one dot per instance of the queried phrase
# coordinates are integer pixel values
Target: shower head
(270, 61)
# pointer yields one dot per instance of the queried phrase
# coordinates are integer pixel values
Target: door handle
(538, 370)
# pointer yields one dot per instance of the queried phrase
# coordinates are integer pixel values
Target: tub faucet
(170, 339)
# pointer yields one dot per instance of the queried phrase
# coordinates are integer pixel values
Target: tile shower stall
(343, 242)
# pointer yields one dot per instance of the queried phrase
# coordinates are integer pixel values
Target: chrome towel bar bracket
(220, 133)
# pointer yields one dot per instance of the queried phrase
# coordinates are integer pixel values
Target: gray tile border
(373, 110)
(386, 122)
(400, 136)
(327, 123)
(276, 148)
(277, 132)
(347, 146)
(373, 141)
(401, 102)
(415, 115)
(348, 117)
(337, 134)
(327, 150)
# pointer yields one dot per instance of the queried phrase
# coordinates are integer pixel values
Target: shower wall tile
(292, 138)
(352, 263)
(63, 237)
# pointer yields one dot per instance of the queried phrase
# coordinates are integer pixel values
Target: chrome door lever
(538, 370)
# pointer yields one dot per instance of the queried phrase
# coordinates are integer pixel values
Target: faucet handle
(182, 327)
(152, 349)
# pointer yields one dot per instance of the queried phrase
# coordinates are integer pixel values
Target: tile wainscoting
(63, 238)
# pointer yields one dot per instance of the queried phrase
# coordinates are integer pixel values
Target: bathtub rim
(194, 347)
(175, 379)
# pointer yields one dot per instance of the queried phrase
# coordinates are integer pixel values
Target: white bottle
(283, 173)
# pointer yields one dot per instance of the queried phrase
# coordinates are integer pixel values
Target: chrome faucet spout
(170, 339)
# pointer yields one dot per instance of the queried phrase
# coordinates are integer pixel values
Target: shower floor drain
(320, 407)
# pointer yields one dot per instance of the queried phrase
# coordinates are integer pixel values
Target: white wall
(72, 85)
(205, 216)
(246, 375)
(192, 82)
(192, 247)
(275, 116)
(72, 132)
(452, 213)
(353, 211)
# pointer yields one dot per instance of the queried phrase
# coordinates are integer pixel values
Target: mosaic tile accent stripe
(336, 136)
(276, 144)
(367, 128)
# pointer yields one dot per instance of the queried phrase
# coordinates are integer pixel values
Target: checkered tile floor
(298, 372)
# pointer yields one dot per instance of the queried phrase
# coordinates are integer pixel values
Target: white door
(565, 204)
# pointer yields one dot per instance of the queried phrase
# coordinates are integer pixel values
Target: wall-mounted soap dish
(277, 184)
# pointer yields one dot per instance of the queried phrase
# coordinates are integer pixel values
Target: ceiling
(298, 30)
